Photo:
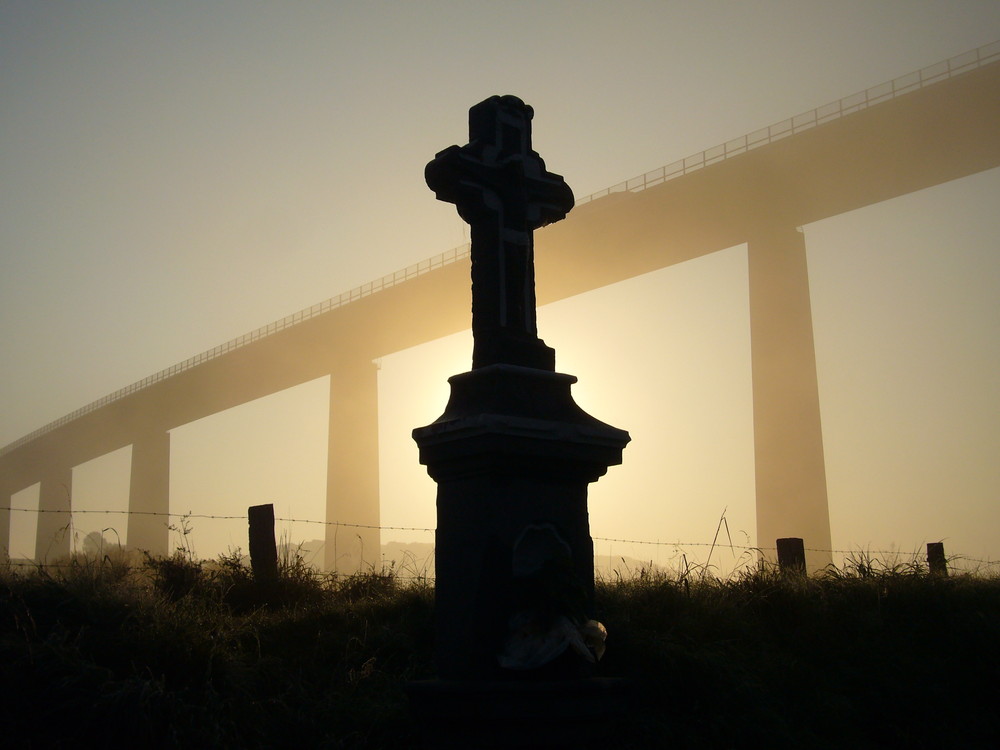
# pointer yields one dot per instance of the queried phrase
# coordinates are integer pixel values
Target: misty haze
(752, 500)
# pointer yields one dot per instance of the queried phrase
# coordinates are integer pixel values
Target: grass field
(175, 653)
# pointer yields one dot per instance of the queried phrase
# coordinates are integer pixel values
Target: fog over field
(173, 176)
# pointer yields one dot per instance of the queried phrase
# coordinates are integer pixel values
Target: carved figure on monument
(550, 624)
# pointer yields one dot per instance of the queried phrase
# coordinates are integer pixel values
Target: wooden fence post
(263, 551)
(791, 555)
(935, 559)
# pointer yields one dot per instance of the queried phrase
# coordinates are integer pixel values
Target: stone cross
(501, 188)
(512, 454)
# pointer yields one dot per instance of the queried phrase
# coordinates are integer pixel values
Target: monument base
(512, 456)
(517, 714)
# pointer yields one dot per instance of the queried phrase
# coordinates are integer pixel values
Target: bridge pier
(352, 487)
(54, 536)
(149, 493)
(788, 439)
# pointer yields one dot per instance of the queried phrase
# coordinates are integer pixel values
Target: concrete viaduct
(936, 125)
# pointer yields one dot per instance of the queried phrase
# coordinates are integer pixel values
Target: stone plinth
(512, 456)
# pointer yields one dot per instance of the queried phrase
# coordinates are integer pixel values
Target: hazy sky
(173, 175)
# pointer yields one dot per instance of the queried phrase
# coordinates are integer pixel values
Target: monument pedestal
(512, 456)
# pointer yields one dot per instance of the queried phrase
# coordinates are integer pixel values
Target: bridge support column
(149, 492)
(788, 439)
(352, 489)
(54, 534)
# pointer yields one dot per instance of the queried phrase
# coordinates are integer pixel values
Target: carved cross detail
(501, 188)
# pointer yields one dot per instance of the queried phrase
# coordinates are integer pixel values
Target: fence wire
(677, 544)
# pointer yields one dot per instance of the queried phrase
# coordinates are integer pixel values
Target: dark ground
(173, 654)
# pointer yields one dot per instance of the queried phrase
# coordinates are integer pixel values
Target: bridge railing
(856, 102)
(389, 280)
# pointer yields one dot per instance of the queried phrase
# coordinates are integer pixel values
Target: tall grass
(871, 655)
(178, 653)
(174, 652)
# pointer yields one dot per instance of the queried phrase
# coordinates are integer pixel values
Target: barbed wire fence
(745, 555)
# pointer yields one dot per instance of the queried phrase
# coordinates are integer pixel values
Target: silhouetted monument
(512, 454)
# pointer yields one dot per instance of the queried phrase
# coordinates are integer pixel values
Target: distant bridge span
(936, 125)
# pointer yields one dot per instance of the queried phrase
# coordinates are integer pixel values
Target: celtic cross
(501, 188)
